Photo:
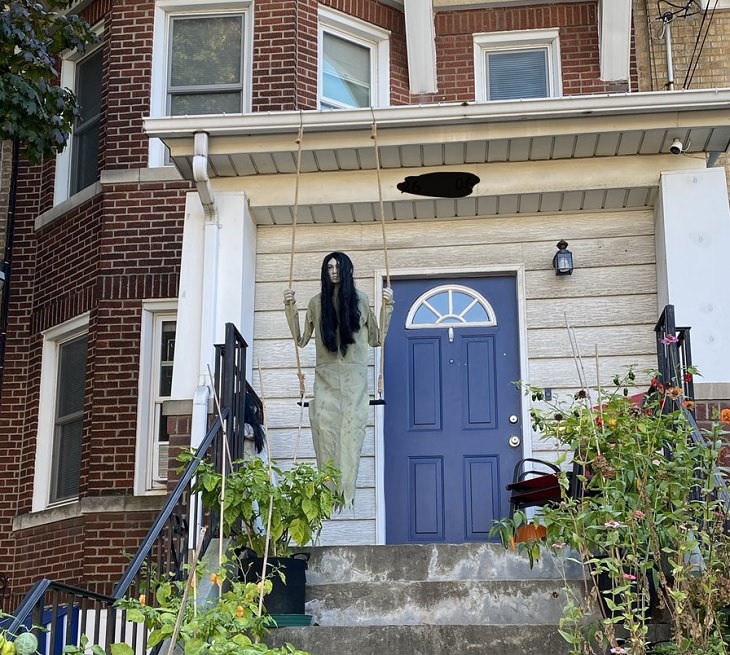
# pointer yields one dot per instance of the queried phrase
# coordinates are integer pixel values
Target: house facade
(226, 146)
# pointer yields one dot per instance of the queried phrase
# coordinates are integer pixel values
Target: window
(201, 61)
(515, 65)
(61, 413)
(77, 167)
(450, 305)
(206, 65)
(353, 62)
(155, 386)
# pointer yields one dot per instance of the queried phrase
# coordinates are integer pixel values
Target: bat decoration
(439, 185)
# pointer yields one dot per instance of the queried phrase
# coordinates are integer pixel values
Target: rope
(300, 136)
(374, 137)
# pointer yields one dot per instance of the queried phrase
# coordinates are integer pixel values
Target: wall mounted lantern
(563, 259)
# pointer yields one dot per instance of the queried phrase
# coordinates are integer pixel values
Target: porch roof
(545, 155)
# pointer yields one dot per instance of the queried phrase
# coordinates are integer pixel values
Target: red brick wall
(105, 256)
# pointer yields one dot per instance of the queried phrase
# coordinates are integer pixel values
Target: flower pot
(287, 594)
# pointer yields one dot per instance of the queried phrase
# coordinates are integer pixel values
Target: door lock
(514, 441)
(513, 419)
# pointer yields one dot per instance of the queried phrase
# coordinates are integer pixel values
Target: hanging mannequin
(345, 328)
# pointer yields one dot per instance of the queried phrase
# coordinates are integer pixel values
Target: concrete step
(424, 640)
(437, 562)
(445, 602)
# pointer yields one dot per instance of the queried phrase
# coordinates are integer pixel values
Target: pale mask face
(333, 269)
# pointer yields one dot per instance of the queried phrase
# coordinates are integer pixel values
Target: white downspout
(203, 392)
(200, 174)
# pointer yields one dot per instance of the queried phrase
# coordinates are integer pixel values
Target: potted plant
(284, 508)
(648, 522)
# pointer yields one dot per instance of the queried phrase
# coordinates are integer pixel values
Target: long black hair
(347, 321)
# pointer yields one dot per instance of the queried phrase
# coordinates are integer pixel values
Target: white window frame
(511, 41)
(375, 38)
(165, 10)
(154, 313)
(442, 322)
(53, 339)
(62, 182)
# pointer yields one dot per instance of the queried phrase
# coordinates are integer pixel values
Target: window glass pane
(88, 86)
(85, 139)
(167, 356)
(206, 51)
(67, 460)
(71, 377)
(202, 103)
(85, 165)
(517, 74)
(346, 71)
(460, 301)
(477, 314)
(424, 315)
(440, 302)
(71, 382)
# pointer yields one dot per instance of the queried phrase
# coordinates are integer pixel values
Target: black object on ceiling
(439, 185)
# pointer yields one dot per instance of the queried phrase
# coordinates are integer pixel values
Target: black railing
(674, 353)
(60, 613)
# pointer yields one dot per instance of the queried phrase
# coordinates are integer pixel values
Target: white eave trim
(413, 116)
(614, 25)
(421, 45)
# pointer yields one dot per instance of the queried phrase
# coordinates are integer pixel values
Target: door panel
(450, 391)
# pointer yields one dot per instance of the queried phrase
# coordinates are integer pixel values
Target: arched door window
(448, 306)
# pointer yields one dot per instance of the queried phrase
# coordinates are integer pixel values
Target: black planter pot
(606, 589)
(286, 597)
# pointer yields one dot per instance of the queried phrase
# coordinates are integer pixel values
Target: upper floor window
(206, 65)
(201, 61)
(77, 167)
(353, 62)
(61, 413)
(515, 65)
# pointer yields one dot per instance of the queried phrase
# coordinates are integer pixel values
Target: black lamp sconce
(563, 259)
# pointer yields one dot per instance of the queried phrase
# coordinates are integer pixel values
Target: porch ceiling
(508, 144)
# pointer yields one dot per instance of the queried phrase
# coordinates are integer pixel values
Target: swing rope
(295, 217)
(374, 137)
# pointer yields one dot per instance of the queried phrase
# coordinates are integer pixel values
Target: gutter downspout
(203, 392)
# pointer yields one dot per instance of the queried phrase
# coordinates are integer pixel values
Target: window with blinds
(69, 418)
(517, 65)
(354, 66)
(518, 74)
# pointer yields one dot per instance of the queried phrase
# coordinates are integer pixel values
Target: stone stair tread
(439, 602)
(424, 640)
(473, 561)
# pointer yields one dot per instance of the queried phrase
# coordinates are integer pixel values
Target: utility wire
(694, 63)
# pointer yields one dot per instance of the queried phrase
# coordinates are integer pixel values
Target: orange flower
(725, 415)
(215, 579)
(674, 392)
(239, 612)
(142, 599)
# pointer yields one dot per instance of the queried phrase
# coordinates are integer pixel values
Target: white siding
(610, 300)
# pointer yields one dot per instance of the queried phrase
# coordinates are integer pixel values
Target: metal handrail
(170, 538)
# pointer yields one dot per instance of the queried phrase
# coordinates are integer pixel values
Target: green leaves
(33, 107)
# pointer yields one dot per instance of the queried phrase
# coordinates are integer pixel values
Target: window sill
(95, 505)
(63, 208)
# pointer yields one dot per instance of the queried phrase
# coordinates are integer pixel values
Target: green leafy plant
(227, 624)
(300, 499)
(647, 522)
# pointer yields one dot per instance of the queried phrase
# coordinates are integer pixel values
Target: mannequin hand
(387, 295)
(289, 296)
